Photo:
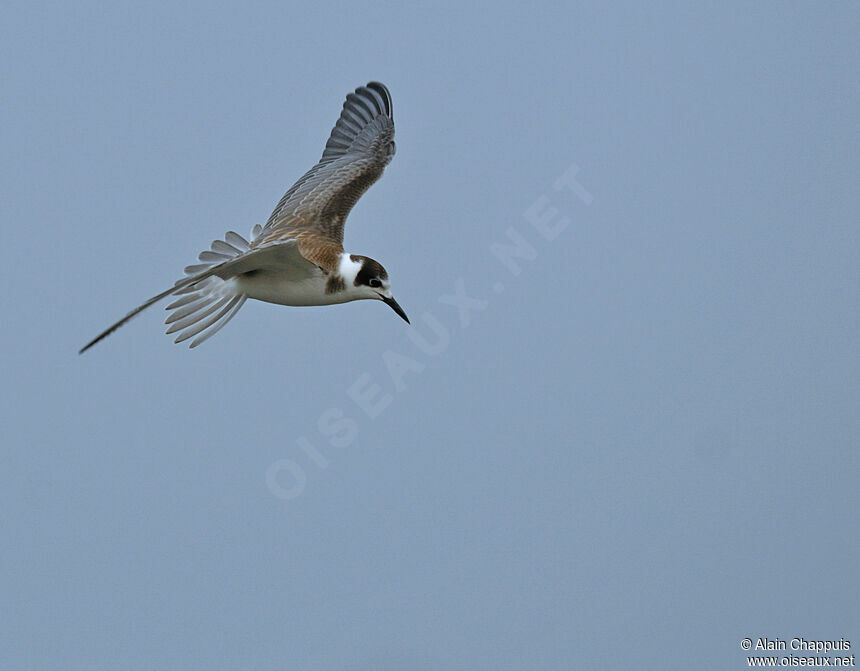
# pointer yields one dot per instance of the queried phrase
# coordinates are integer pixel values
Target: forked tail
(208, 301)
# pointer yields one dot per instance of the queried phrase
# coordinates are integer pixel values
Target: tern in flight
(297, 258)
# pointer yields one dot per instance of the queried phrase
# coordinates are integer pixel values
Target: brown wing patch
(316, 246)
(321, 250)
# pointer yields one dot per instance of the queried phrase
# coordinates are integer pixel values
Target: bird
(297, 258)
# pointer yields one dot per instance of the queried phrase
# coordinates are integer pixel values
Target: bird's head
(371, 281)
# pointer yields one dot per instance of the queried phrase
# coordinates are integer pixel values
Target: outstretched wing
(315, 208)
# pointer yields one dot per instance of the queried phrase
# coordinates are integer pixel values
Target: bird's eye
(375, 283)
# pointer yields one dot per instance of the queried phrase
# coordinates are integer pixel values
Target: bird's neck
(342, 280)
(348, 268)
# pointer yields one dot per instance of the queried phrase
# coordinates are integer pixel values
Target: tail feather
(206, 306)
(223, 307)
(196, 268)
(214, 257)
(225, 248)
(236, 241)
(185, 300)
(194, 303)
(206, 302)
(216, 326)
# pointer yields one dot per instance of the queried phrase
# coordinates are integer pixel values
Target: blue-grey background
(641, 451)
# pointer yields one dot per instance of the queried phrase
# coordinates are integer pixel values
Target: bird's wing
(314, 209)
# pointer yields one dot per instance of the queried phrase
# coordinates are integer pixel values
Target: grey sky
(633, 454)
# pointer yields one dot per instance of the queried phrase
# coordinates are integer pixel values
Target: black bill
(396, 307)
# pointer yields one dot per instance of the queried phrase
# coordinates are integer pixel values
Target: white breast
(297, 282)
